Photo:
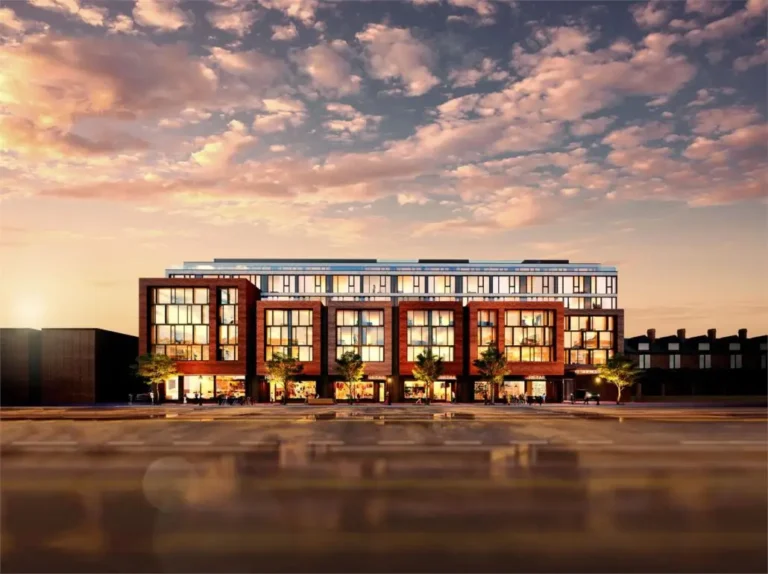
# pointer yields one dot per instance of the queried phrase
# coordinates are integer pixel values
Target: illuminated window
(593, 334)
(362, 332)
(486, 330)
(227, 345)
(346, 284)
(430, 330)
(179, 320)
(376, 284)
(442, 284)
(508, 284)
(311, 283)
(280, 283)
(476, 284)
(529, 336)
(411, 284)
(289, 331)
(644, 361)
(674, 361)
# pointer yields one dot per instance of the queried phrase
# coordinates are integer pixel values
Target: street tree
(428, 369)
(352, 368)
(492, 365)
(620, 371)
(282, 370)
(155, 369)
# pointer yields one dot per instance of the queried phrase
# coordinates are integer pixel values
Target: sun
(30, 312)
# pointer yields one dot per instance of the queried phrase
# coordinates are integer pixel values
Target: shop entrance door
(382, 391)
(441, 391)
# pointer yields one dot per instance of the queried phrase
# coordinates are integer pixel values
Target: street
(377, 489)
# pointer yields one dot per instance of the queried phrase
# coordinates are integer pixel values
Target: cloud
(706, 7)
(486, 70)
(650, 15)
(11, 26)
(252, 65)
(277, 148)
(744, 63)
(411, 199)
(732, 25)
(634, 136)
(122, 24)
(719, 120)
(394, 54)
(285, 33)
(236, 19)
(279, 114)
(350, 122)
(302, 10)
(161, 14)
(24, 137)
(328, 69)
(115, 78)
(591, 127)
(219, 150)
(89, 14)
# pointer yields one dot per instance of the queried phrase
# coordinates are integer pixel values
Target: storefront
(297, 390)
(361, 391)
(207, 387)
(514, 388)
(442, 390)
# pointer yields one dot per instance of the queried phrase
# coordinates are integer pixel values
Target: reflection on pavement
(305, 508)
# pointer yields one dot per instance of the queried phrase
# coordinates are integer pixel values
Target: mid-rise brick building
(554, 320)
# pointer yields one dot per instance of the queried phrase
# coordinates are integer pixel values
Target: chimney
(652, 334)
(712, 334)
(742, 334)
(681, 334)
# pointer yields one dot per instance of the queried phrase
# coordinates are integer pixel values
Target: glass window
(346, 284)
(674, 361)
(476, 284)
(432, 329)
(644, 361)
(179, 326)
(442, 284)
(230, 386)
(703, 346)
(735, 361)
(311, 283)
(529, 336)
(289, 332)
(198, 385)
(362, 332)
(412, 284)
(705, 361)
(413, 390)
(201, 296)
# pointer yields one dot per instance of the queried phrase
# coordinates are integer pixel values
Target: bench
(315, 401)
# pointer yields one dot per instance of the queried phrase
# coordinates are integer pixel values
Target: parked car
(583, 395)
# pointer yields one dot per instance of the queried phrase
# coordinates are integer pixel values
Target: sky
(135, 135)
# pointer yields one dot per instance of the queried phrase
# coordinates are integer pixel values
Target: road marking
(125, 442)
(326, 442)
(44, 442)
(529, 442)
(396, 442)
(462, 442)
(723, 442)
(594, 442)
(191, 442)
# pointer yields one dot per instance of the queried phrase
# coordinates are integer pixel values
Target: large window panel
(289, 332)
(179, 325)
(433, 329)
(529, 336)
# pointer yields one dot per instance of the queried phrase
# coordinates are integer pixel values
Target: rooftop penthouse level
(576, 285)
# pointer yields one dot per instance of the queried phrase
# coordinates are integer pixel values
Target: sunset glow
(137, 135)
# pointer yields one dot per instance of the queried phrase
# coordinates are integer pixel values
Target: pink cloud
(329, 70)
(395, 54)
(163, 15)
(650, 15)
(715, 120)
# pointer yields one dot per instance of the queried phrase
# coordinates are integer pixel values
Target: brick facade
(384, 368)
(455, 367)
(314, 367)
(247, 295)
(549, 368)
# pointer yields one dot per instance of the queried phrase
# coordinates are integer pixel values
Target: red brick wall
(247, 296)
(384, 368)
(311, 368)
(454, 367)
(555, 367)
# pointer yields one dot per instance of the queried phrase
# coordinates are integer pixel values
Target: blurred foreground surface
(301, 507)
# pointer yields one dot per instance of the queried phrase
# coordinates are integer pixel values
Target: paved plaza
(447, 488)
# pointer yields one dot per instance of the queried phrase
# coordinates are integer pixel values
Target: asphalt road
(386, 491)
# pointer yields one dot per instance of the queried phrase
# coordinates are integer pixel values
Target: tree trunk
(618, 395)
(493, 393)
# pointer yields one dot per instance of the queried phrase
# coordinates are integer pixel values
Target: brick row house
(555, 321)
(699, 365)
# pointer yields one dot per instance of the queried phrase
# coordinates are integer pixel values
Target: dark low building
(700, 365)
(19, 366)
(67, 366)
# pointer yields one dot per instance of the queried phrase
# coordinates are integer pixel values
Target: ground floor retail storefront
(205, 387)
(519, 387)
(443, 390)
